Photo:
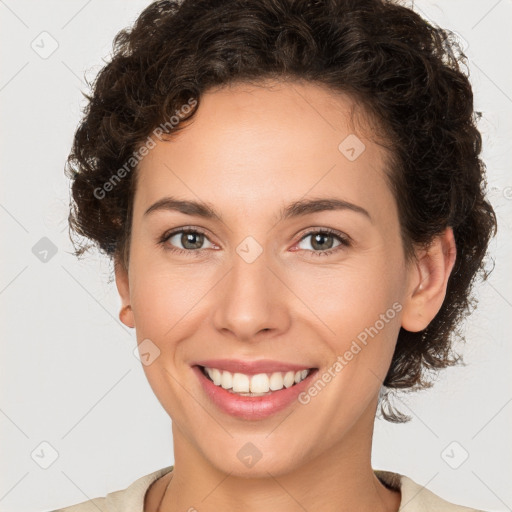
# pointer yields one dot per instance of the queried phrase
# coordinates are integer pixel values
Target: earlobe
(428, 282)
(123, 288)
(126, 316)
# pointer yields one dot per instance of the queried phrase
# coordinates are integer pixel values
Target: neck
(338, 479)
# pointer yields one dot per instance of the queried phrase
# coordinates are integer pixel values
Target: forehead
(249, 146)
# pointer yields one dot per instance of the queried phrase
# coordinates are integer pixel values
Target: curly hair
(408, 74)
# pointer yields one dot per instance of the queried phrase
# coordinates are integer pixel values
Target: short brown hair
(406, 72)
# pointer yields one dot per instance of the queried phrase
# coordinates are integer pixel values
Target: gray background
(69, 376)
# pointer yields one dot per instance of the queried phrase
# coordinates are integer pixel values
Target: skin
(249, 151)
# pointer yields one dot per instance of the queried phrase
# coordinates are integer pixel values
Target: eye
(323, 241)
(191, 241)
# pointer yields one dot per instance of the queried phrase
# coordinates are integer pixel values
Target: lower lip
(252, 407)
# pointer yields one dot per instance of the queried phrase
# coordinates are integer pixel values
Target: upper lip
(251, 367)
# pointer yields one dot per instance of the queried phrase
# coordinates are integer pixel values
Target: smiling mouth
(260, 384)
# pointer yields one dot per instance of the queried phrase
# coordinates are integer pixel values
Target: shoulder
(130, 499)
(417, 497)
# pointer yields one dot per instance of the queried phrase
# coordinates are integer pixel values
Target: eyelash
(343, 239)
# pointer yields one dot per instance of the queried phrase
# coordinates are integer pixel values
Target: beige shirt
(416, 497)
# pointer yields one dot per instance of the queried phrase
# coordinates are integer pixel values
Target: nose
(252, 301)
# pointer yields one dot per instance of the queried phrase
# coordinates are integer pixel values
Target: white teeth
(227, 380)
(289, 379)
(258, 384)
(216, 377)
(240, 383)
(276, 381)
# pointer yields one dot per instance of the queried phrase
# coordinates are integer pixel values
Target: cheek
(170, 302)
(158, 308)
(358, 306)
(350, 296)
(164, 303)
(161, 296)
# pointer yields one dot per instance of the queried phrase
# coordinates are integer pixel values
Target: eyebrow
(295, 209)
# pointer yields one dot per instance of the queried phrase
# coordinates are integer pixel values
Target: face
(304, 286)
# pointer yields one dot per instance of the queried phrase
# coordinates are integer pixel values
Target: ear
(428, 281)
(123, 288)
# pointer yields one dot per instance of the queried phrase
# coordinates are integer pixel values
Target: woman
(292, 196)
